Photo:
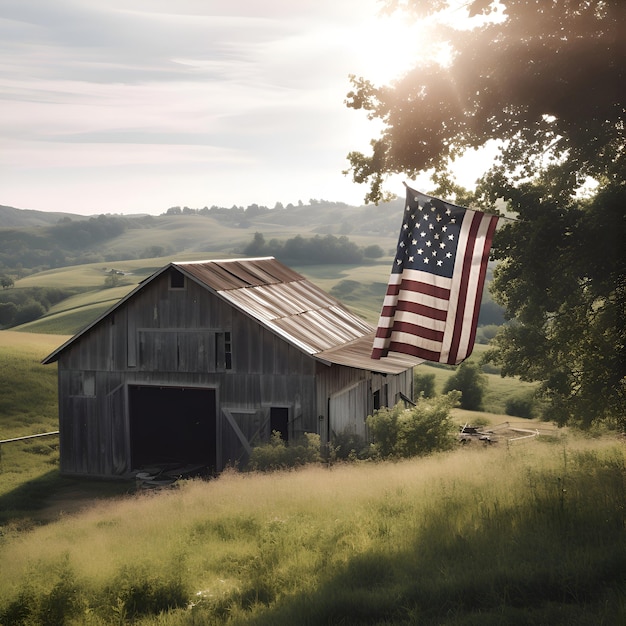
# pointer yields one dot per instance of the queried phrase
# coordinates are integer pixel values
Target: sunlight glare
(389, 46)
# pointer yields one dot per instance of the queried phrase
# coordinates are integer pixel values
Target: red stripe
(393, 290)
(383, 332)
(421, 353)
(419, 331)
(428, 289)
(421, 309)
(379, 353)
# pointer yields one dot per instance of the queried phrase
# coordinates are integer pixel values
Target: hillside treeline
(69, 242)
(19, 306)
(316, 250)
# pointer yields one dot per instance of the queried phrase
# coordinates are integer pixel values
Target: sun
(389, 46)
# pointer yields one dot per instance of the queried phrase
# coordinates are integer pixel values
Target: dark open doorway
(173, 426)
(279, 421)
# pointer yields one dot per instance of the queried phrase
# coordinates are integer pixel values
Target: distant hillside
(11, 217)
(37, 241)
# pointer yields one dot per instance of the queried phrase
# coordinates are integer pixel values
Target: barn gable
(204, 359)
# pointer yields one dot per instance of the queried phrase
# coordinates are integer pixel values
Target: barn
(204, 359)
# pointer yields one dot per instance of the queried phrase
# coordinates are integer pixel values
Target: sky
(135, 106)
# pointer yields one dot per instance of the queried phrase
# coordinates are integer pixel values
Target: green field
(529, 532)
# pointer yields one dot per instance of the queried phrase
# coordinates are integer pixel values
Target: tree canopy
(545, 76)
(545, 80)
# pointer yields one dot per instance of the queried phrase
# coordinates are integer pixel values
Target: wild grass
(528, 533)
(28, 406)
(518, 535)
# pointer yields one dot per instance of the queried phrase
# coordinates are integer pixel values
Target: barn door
(172, 426)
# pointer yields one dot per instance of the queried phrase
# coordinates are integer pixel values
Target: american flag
(433, 297)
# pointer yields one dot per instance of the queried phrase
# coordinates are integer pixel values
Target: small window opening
(177, 280)
(228, 352)
(223, 351)
(376, 400)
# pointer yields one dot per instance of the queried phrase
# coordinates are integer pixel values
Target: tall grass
(529, 534)
(28, 406)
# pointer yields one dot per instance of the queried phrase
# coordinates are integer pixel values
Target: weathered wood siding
(346, 396)
(176, 338)
(190, 338)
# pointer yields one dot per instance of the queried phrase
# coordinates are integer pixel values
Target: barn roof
(287, 304)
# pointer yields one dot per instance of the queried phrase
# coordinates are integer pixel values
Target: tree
(6, 282)
(545, 80)
(540, 76)
(471, 382)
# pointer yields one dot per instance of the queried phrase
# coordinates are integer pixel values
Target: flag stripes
(426, 314)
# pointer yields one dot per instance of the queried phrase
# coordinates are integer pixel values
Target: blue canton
(429, 236)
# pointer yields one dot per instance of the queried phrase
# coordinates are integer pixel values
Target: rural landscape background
(526, 531)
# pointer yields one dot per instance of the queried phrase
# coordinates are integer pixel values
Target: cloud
(142, 90)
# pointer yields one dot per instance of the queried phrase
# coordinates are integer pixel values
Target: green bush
(471, 382)
(277, 454)
(520, 405)
(425, 428)
(349, 446)
(423, 385)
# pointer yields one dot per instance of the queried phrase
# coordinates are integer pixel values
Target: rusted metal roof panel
(238, 274)
(298, 310)
(357, 354)
(289, 305)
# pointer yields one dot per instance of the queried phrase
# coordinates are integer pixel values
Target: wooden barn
(204, 359)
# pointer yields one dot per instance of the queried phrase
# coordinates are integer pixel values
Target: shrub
(29, 312)
(423, 385)
(471, 382)
(277, 454)
(425, 428)
(520, 405)
(349, 446)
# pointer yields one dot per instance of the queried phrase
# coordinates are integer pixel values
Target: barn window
(376, 400)
(177, 280)
(223, 351)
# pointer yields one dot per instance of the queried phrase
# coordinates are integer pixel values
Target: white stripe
(410, 339)
(421, 298)
(420, 320)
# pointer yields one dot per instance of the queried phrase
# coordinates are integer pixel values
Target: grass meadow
(527, 534)
(532, 532)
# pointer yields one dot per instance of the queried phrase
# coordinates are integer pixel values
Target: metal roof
(289, 305)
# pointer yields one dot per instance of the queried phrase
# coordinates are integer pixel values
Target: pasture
(530, 532)
(498, 535)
